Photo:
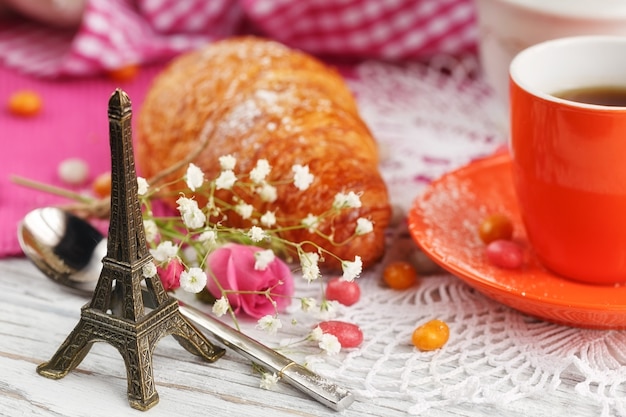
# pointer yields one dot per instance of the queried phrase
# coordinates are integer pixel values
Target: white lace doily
(429, 120)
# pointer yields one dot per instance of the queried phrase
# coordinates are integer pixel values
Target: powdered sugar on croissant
(257, 99)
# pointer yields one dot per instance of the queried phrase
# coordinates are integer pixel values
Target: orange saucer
(444, 222)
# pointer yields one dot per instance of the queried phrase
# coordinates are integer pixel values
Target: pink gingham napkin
(66, 66)
(115, 33)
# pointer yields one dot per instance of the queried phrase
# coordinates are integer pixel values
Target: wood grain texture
(36, 315)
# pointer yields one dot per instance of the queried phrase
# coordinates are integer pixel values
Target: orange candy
(400, 275)
(25, 103)
(495, 227)
(125, 73)
(431, 335)
(102, 185)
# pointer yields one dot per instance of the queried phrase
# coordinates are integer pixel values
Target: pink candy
(348, 334)
(505, 254)
(342, 291)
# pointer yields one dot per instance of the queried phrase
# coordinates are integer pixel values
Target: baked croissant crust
(257, 99)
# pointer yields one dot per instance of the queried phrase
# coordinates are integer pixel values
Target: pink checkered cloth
(116, 33)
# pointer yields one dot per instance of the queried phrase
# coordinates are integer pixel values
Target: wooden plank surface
(36, 315)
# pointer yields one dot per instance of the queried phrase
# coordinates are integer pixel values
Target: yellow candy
(431, 335)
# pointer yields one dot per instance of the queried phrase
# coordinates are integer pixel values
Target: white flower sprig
(197, 229)
(326, 341)
(181, 245)
(198, 226)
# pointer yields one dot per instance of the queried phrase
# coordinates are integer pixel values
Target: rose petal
(233, 267)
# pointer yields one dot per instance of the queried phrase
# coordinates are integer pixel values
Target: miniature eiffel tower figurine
(134, 330)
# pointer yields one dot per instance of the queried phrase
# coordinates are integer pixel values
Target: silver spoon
(69, 250)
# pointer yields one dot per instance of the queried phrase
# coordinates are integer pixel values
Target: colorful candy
(102, 185)
(505, 254)
(342, 291)
(400, 275)
(496, 231)
(125, 73)
(73, 171)
(494, 227)
(25, 103)
(431, 335)
(348, 334)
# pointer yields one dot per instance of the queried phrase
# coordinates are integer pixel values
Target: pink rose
(233, 266)
(170, 275)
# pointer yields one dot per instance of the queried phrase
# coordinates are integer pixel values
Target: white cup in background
(506, 27)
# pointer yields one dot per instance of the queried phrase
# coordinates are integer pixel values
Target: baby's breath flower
(269, 381)
(194, 219)
(185, 204)
(194, 177)
(270, 324)
(352, 270)
(330, 344)
(227, 162)
(206, 232)
(350, 200)
(208, 237)
(267, 192)
(151, 230)
(193, 280)
(311, 222)
(142, 186)
(268, 219)
(256, 234)
(191, 214)
(302, 178)
(328, 310)
(260, 171)
(226, 180)
(244, 210)
(263, 258)
(316, 334)
(310, 268)
(164, 252)
(308, 304)
(363, 226)
(221, 306)
(149, 270)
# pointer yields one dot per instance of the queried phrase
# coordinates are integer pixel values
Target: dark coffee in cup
(600, 95)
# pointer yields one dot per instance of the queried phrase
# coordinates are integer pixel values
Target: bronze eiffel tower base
(135, 342)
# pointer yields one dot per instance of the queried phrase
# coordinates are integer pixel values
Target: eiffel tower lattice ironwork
(130, 326)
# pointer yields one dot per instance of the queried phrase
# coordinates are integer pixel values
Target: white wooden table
(36, 315)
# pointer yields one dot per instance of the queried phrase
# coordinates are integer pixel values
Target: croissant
(257, 99)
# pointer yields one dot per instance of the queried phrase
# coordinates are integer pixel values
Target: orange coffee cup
(569, 157)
